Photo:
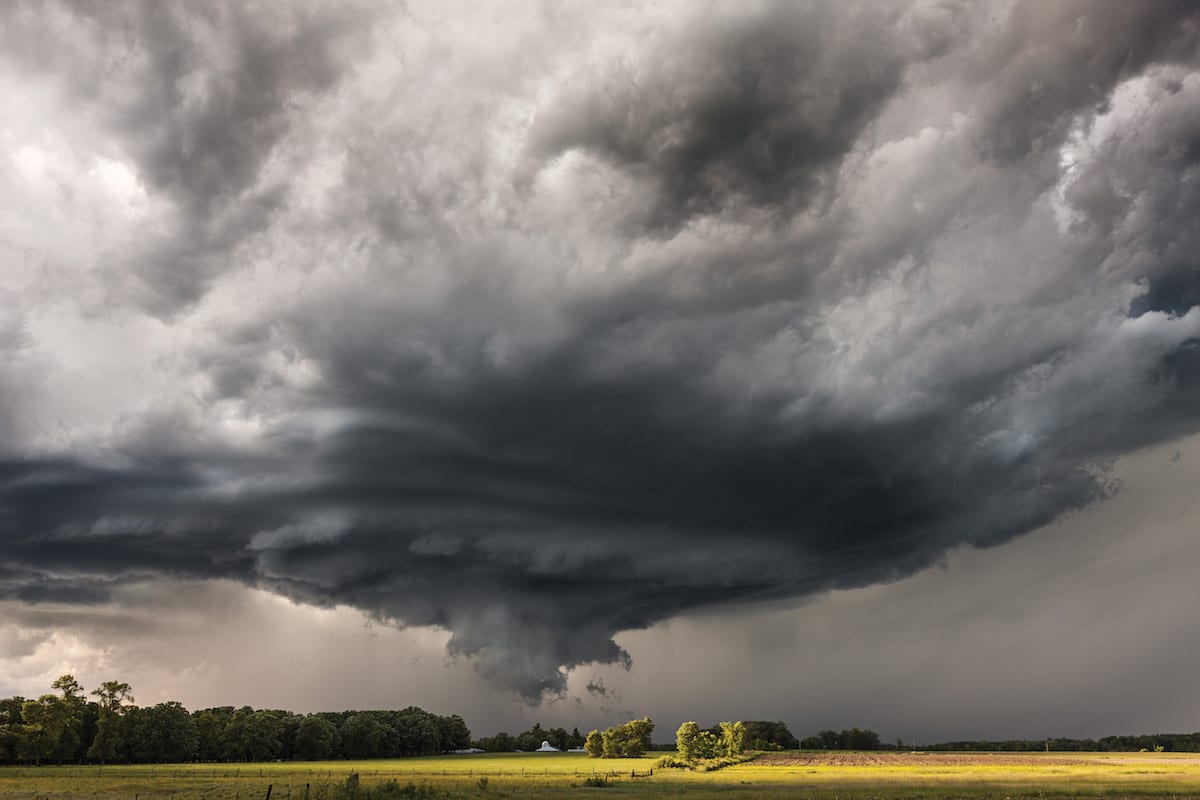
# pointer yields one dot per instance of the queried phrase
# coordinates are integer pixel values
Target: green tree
(453, 733)
(532, 739)
(10, 726)
(635, 736)
(109, 741)
(163, 733)
(210, 729)
(831, 740)
(417, 732)
(251, 736)
(610, 745)
(629, 740)
(685, 740)
(857, 739)
(362, 735)
(594, 744)
(73, 696)
(765, 735)
(71, 689)
(315, 738)
(502, 742)
(733, 738)
(708, 744)
(558, 737)
(49, 730)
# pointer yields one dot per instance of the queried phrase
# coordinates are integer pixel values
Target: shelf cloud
(550, 326)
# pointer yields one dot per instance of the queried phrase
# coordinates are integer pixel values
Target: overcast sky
(831, 361)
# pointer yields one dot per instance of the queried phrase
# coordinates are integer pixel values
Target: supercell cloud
(540, 323)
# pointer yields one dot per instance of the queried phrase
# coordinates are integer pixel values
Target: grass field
(832, 776)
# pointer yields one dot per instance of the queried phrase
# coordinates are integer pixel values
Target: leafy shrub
(714, 764)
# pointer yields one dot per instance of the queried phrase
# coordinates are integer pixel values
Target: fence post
(270, 786)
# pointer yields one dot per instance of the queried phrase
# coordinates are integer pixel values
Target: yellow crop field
(822, 776)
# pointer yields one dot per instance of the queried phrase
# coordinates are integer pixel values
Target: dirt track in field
(924, 760)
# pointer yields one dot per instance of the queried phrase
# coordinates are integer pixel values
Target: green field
(823, 776)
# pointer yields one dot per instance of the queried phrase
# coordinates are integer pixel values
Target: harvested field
(974, 775)
(775, 776)
(928, 760)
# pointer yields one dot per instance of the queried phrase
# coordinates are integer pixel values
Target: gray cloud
(741, 308)
(737, 110)
(201, 100)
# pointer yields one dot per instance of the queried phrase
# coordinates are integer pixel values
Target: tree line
(849, 739)
(105, 726)
(1162, 742)
(531, 739)
(70, 727)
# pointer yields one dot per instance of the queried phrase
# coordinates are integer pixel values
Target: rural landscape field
(792, 774)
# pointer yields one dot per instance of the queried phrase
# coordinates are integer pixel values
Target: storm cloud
(545, 327)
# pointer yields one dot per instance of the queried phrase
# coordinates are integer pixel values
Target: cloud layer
(545, 327)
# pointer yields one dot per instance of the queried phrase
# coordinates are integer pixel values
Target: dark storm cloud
(1053, 58)
(747, 111)
(783, 300)
(201, 98)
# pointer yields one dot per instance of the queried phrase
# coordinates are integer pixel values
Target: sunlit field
(825, 776)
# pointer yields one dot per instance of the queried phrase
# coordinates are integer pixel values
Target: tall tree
(594, 744)
(558, 737)
(73, 697)
(453, 733)
(110, 736)
(733, 738)
(685, 740)
(71, 689)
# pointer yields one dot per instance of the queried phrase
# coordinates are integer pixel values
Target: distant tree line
(764, 735)
(530, 740)
(70, 727)
(1168, 742)
(866, 739)
(850, 739)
